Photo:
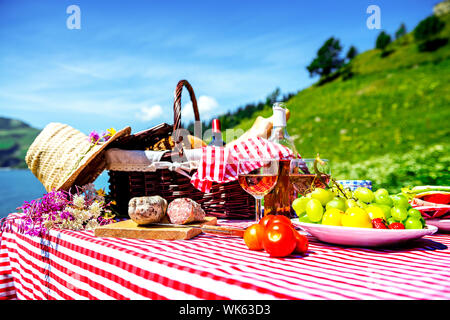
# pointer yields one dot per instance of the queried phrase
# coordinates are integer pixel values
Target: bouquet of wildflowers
(83, 210)
(95, 137)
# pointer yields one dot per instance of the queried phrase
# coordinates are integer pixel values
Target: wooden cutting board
(130, 229)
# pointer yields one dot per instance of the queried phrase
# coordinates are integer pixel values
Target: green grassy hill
(15, 138)
(388, 123)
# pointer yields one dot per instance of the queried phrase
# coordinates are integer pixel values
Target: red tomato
(265, 220)
(280, 219)
(301, 242)
(253, 236)
(279, 240)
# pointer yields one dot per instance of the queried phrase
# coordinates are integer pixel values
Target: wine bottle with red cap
(217, 140)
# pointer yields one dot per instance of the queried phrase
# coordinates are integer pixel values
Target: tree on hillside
(428, 28)
(351, 53)
(427, 34)
(383, 41)
(327, 59)
(401, 31)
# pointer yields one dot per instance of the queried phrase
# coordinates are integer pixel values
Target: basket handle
(177, 111)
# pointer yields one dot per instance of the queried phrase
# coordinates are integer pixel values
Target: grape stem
(319, 174)
(339, 188)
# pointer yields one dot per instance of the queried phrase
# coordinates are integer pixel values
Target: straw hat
(62, 156)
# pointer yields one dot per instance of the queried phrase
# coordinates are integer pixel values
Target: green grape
(413, 223)
(400, 200)
(390, 220)
(399, 213)
(351, 203)
(375, 212)
(423, 222)
(386, 209)
(361, 204)
(337, 203)
(364, 194)
(383, 199)
(314, 210)
(304, 218)
(348, 193)
(299, 205)
(322, 195)
(414, 213)
(380, 192)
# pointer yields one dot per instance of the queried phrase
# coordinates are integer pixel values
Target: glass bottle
(279, 200)
(217, 140)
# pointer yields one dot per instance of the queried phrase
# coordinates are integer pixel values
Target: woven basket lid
(62, 156)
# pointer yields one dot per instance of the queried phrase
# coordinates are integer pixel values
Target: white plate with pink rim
(363, 237)
(442, 224)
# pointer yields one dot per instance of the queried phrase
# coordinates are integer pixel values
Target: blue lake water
(17, 186)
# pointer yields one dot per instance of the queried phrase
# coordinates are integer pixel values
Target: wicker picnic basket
(227, 200)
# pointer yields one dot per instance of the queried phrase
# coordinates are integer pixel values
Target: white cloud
(150, 113)
(207, 107)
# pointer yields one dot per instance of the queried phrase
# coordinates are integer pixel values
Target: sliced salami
(185, 210)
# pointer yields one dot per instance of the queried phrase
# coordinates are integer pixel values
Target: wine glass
(258, 177)
(307, 174)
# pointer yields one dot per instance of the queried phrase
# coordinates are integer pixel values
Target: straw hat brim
(94, 165)
(61, 156)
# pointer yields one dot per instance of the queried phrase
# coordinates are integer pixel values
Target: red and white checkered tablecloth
(78, 265)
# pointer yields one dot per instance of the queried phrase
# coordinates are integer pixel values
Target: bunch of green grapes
(361, 208)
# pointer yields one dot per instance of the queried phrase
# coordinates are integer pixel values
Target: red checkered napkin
(220, 164)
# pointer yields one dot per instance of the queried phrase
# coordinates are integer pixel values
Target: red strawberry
(378, 223)
(396, 225)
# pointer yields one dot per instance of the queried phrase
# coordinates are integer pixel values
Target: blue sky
(122, 66)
